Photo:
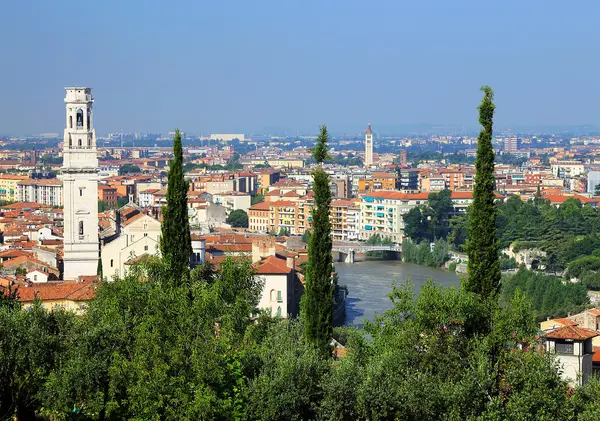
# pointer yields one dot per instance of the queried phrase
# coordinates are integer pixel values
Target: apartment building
(9, 190)
(382, 212)
(345, 217)
(46, 191)
(258, 217)
(378, 181)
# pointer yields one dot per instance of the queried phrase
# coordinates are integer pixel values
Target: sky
(258, 66)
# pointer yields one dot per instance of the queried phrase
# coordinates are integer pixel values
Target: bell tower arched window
(89, 117)
(80, 118)
(80, 227)
(70, 122)
(79, 143)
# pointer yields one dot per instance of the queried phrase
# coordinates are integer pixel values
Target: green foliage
(238, 219)
(482, 245)
(103, 206)
(586, 263)
(597, 190)
(551, 297)
(430, 221)
(319, 152)
(452, 267)
(32, 342)
(317, 301)
(423, 254)
(289, 384)
(149, 349)
(306, 236)
(175, 240)
(590, 279)
(458, 231)
(283, 232)
(129, 169)
(122, 201)
(379, 240)
(257, 199)
(507, 263)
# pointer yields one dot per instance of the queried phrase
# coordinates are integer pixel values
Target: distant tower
(80, 186)
(403, 157)
(368, 146)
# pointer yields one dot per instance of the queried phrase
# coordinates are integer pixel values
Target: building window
(279, 296)
(70, 122)
(80, 192)
(278, 314)
(79, 143)
(80, 227)
(111, 262)
(35, 277)
(80, 118)
(273, 295)
(562, 348)
(145, 248)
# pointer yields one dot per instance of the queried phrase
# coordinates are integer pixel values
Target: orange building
(107, 194)
(378, 181)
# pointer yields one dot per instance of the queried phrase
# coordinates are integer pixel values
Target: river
(369, 283)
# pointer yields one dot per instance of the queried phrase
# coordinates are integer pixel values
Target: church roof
(369, 131)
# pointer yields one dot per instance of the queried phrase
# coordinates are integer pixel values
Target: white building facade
(80, 186)
(44, 191)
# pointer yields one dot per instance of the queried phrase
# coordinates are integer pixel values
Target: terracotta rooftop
(71, 290)
(571, 332)
(272, 265)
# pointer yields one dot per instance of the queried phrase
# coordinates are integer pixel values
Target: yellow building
(8, 186)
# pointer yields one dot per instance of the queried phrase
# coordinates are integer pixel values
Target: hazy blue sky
(228, 66)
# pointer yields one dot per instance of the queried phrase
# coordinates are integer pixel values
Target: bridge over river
(347, 251)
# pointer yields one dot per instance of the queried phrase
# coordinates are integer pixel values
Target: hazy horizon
(246, 67)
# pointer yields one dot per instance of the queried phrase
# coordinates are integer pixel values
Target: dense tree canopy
(238, 219)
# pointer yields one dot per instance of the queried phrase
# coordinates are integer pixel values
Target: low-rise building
(9, 190)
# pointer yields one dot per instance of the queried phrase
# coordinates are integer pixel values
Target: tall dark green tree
(482, 245)
(317, 301)
(175, 240)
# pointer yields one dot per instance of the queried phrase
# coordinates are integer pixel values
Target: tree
(238, 219)
(129, 169)
(482, 246)
(283, 232)
(175, 240)
(317, 301)
(257, 199)
(597, 190)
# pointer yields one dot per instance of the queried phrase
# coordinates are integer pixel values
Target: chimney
(290, 262)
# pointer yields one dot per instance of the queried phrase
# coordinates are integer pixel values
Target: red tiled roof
(272, 265)
(566, 322)
(72, 290)
(262, 206)
(571, 332)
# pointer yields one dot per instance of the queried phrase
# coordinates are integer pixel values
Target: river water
(369, 283)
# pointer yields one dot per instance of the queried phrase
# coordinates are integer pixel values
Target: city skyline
(288, 68)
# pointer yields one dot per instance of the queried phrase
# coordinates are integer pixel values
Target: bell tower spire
(368, 146)
(80, 186)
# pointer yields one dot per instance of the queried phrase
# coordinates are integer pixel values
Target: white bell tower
(368, 146)
(80, 186)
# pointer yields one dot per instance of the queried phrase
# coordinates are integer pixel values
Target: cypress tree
(482, 246)
(175, 240)
(317, 301)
